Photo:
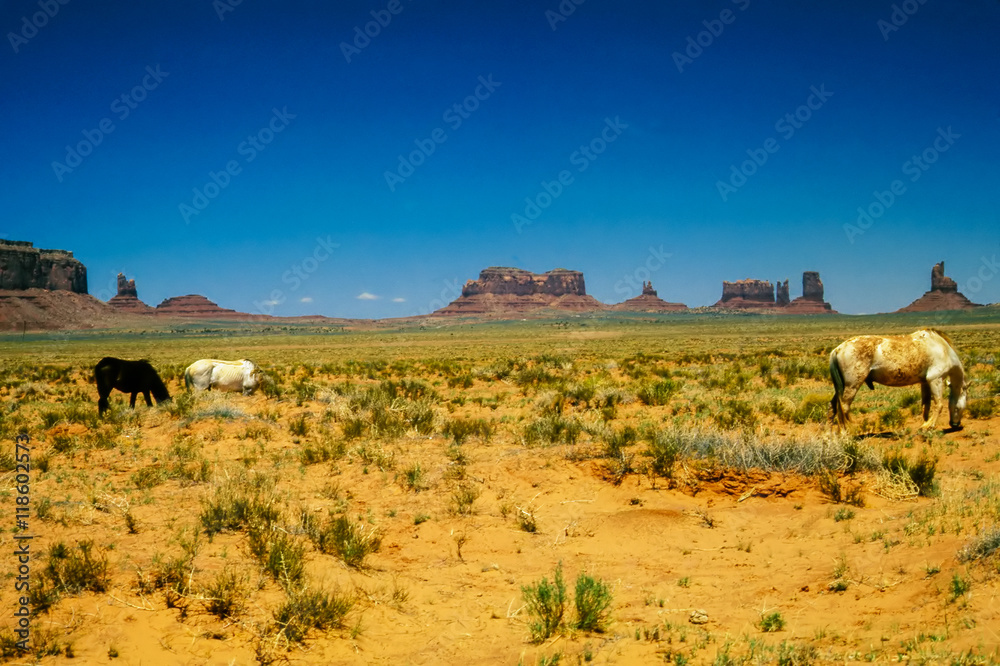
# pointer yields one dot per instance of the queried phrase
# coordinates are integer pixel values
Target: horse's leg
(925, 399)
(131, 402)
(145, 394)
(102, 403)
(845, 404)
(936, 390)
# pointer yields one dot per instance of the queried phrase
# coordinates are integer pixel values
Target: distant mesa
(127, 298)
(761, 295)
(648, 301)
(195, 305)
(23, 266)
(811, 301)
(748, 294)
(500, 291)
(944, 295)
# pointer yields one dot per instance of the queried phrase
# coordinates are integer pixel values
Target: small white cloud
(365, 296)
(306, 299)
(272, 302)
(398, 300)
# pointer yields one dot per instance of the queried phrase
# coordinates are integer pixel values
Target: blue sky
(275, 158)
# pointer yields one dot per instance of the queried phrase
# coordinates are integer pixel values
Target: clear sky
(276, 158)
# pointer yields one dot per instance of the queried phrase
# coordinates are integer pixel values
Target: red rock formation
(500, 291)
(944, 295)
(45, 309)
(781, 294)
(23, 266)
(194, 305)
(747, 294)
(811, 300)
(648, 301)
(127, 299)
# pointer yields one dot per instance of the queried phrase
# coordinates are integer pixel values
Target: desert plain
(606, 489)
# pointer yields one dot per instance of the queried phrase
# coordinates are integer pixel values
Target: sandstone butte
(761, 295)
(127, 298)
(501, 290)
(195, 305)
(648, 301)
(23, 266)
(944, 295)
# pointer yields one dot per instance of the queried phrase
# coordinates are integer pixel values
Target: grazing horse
(241, 375)
(128, 377)
(923, 357)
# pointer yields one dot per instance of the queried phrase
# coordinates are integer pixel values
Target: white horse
(923, 357)
(208, 373)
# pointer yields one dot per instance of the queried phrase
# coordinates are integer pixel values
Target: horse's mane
(940, 333)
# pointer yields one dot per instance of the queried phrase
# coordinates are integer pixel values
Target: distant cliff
(502, 290)
(762, 295)
(648, 301)
(127, 298)
(23, 266)
(944, 295)
(747, 294)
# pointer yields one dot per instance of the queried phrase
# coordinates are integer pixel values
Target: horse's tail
(187, 378)
(838, 389)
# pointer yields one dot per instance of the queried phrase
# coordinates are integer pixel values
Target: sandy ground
(449, 589)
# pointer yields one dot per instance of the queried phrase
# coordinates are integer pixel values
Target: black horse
(128, 377)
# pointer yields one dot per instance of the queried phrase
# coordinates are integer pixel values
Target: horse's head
(957, 402)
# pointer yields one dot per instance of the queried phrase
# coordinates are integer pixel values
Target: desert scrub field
(612, 490)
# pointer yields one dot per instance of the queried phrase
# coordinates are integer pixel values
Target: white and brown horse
(209, 373)
(923, 357)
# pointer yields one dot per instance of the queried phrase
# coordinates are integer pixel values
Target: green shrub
(240, 501)
(891, 418)
(280, 554)
(814, 408)
(463, 498)
(772, 622)
(305, 609)
(73, 570)
(299, 425)
(983, 408)
(658, 392)
(420, 416)
(226, 595)
(413, 477)
(322, 450)
(546, 604)
(921, 472)
(664, 449)
(593, 603)
(347, 540)
(552, 429)
(461, 429)
(736, 414)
